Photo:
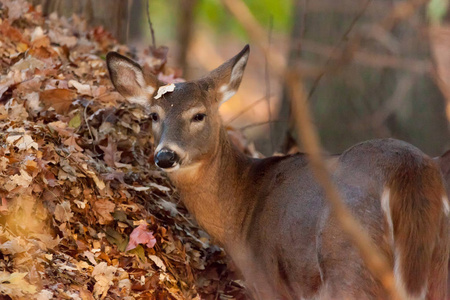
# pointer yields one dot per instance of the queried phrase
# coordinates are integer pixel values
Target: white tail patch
(399, 282)
(386, 206)
(446, 205)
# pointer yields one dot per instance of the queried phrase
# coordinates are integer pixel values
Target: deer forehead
(186, 98)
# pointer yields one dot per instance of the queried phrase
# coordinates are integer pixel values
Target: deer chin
(182, 167)
(171, 169)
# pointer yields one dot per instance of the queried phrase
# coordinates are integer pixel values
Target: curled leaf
(141, 235)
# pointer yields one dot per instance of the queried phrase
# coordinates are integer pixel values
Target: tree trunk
(359, 100)
(111, 14)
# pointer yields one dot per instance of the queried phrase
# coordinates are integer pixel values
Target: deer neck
(213, 191)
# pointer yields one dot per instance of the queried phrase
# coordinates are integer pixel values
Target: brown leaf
(16, 9)
(72, 143)
(8, 31)
(103, 209)
(111, 153)
(63, 212)
(59, 99)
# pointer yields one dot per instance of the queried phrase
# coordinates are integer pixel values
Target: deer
(444, 164)
(271, 216)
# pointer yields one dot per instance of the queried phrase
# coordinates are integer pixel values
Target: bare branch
(267, 80)
(374, 261)
(343, 39)
(150, 25)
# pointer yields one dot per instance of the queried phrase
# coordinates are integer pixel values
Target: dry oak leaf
(141, 235)
(14, 285)
(24, 180)
(104, 276)
(59, 99)
(17, 137)
(111, 155)
(83, 89)
(16, 8)
(103, 209)
(72, 144)
(15, 245)
(63, 212)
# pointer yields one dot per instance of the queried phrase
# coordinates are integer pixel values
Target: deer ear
(228, 76)
(130, 80)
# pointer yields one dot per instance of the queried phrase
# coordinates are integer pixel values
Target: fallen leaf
(15, 246)
(104, 208)
(63, 212)
(158, 261)
(24, 180)
(14, 285)
(104, 276)
(16, 9)
(164, 89)
(75, 122)
(72, 144)
(84, 89)
(44, 295)
(4, 206)
(141, 235)
(111, 155)
(59, 99)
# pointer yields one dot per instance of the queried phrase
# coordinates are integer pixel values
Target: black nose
(166, 158)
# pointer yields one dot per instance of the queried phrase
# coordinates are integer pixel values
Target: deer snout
(166, 159)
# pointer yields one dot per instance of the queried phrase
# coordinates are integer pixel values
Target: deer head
(185, 121)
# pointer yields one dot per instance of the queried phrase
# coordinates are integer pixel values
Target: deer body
(271, 216)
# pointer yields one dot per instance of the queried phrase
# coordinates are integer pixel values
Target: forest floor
(84, 214)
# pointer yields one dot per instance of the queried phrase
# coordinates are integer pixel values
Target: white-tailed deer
(270, 214)
(444, 164)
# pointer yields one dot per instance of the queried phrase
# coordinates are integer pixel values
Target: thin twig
(87, 122)
(260, 124)
(267, 79)
(246, 109)
(373, 259)
(375, 262)
(127, 33)
(343, 38)
(367, 58)
(150, 24)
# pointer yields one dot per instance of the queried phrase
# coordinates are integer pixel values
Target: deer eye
(199, 118)
(154, 117)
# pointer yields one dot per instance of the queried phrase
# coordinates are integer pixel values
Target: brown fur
(444, 164)
(417, 214)
(271, 215)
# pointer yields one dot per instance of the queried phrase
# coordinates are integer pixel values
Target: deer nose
(166, 158)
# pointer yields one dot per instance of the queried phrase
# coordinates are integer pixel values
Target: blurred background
(371, 69)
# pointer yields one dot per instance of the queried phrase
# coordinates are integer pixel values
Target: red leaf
(141, 235)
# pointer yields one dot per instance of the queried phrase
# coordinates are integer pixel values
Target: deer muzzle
(166, 158)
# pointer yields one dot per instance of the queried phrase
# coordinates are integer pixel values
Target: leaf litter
(84, 214)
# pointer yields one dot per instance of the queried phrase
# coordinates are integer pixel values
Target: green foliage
(213, 13)
(436, 10)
